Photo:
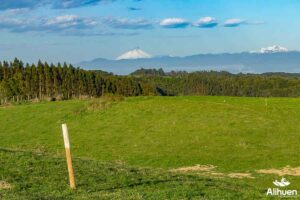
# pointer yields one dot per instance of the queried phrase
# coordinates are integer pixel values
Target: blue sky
(77, 30)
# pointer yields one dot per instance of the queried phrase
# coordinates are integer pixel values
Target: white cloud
(206, 22)
(122, 23)
(174, 23)
(56, 4)
(56, 24)
(234, 22)
(14, 12)
(69, 21)
(273, 49)
(238, 22)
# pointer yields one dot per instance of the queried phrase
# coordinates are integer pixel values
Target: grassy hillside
(232, 135)
(33, 176)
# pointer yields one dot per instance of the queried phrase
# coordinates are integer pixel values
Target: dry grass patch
(215, 174)
(103, 102)
(240, 175)
(4, 185)
(281, 172)
(196, 168)
(209, 170)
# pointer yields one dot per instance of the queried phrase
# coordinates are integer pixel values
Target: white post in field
(68, 155)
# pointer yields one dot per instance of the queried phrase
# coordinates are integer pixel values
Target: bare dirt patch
(209, 170)
(4, 185)
(215, 174)
(196, 168)
(281, 172)
(240, 175)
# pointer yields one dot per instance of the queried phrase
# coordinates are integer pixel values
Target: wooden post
(68, 155)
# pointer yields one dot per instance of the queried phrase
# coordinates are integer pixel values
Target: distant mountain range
(247, 62)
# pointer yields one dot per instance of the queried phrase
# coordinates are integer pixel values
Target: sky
(80, 30)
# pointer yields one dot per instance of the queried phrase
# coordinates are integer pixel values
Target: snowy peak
(134, 54)
(273, 49)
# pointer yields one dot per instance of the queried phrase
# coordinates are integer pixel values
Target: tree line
(212, 83)
(43, 81)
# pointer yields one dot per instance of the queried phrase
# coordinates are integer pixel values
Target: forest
(42, 81)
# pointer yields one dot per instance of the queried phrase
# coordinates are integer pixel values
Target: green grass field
(129, 149)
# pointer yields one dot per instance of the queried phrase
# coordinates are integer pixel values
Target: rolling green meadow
(150, 148)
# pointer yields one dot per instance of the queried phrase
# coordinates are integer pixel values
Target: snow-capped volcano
(134, 54)
(273, 49)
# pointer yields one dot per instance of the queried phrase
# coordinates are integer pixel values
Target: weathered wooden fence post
(68, 155)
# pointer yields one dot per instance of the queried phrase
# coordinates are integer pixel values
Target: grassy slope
(234, 134)
(34, 176)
